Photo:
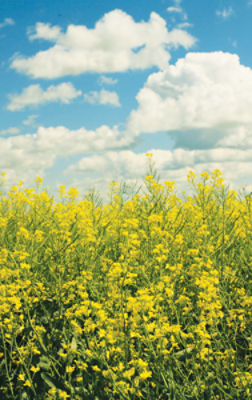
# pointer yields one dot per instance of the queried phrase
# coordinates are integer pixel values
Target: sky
(88, 87)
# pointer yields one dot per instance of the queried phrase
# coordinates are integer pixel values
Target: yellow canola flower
(145, 374)
(21, 377)
(34, 369)
(38, 180)
(63, 395)
(69, 369)
(129, 373)
(95, 368)
(123, 284)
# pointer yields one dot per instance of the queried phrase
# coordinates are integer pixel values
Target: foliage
(145, 297)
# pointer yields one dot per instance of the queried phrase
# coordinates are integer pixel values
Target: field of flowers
(145, 297)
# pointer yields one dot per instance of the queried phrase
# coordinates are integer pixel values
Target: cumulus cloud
(105, 97)
(6, 22)
(121, 164)
(134, 164)
(9, 131)
(29, 155)
(204, 102)
(33, 95)
(225, 13)
(45, 32)
(98, 171)
(201, 92)
(238, 137)
(172, 165)
(117, 43)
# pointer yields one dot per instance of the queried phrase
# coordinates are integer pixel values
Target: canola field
(144, 297)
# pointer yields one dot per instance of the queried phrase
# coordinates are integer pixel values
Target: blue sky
(88, 87)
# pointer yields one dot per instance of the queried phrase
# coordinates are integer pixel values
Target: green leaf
(47, 380)
(73, 344)
(44, 363)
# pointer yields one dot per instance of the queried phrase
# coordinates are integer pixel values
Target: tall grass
(144, 298)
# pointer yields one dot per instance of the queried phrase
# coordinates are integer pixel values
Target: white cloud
(174, 9)
(9, 131)
(238, 137)
(203, 91)
(127, 163)
(26, 156)
(116, 44)
(98, 171)
(225, 13)
(184, 25)
(107, 80)
(44, 31)
(171, 165)
(6, 22)
(105, 97)
(34, 95)
(204, 102)
(177, 9)
(30, 120)
(121, 164)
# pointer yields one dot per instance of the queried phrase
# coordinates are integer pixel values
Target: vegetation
(143, 298)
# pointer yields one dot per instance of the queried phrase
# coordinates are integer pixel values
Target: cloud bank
(31, 154)
(171, 165)
(203, 102)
